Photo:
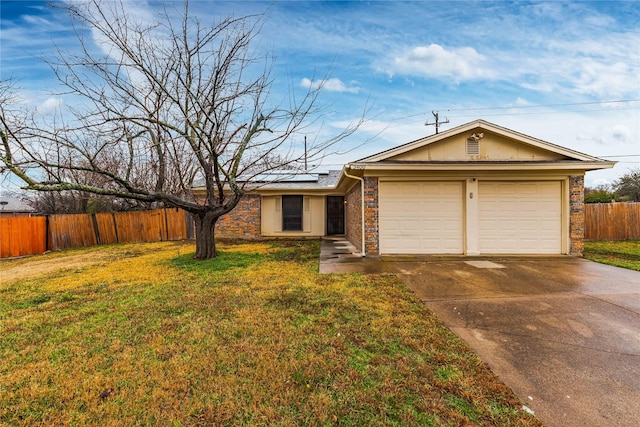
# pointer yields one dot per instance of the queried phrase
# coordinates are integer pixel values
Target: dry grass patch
(146, 335)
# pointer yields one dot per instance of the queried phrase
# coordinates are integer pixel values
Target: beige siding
(313, 217)
(492, 147)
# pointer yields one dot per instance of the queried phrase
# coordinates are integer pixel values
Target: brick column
(576, 215)
(371, 229)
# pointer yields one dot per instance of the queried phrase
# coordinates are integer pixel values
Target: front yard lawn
(143, 335)
(625, 253)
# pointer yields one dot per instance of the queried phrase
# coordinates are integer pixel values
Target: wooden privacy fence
(612, 221)
(33, 235)
(23, 235)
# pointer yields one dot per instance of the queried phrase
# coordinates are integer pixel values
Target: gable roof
(481, 125)
(558, 158)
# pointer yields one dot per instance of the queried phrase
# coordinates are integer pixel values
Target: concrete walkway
(563, 333)
(338, 255)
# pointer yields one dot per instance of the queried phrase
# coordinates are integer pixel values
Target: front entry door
(335, 215)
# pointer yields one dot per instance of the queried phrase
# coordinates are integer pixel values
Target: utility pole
(437, 121)
(305, 154)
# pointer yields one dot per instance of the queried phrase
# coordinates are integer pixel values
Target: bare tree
(161, 105)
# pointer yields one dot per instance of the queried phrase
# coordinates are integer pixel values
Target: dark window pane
(292, 213)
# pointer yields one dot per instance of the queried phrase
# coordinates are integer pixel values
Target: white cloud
(36, 20)
(133, 13)
(590, 61)
(50, 105)
(606, 66)
(606, 80)
(621, 133)
(331, 85)
(435, 61)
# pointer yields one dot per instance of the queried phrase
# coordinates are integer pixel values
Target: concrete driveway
(562, 332)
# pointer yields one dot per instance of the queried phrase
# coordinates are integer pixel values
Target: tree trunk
(205, 235)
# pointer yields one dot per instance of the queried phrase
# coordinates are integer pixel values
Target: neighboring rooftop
(12, 204)
(291, 180)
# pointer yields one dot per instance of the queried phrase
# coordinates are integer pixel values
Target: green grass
(624, 253)
(144, 335)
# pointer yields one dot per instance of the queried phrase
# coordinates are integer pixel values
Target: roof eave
(471, 166)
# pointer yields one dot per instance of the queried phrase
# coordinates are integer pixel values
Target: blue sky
(564, 72)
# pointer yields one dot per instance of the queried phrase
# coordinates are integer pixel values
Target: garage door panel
(413, 244)
(431, 227)
(449, 225)
(427, 217)
(520, 217)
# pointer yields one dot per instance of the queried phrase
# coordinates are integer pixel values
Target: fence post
(166, 224)
(96, 230)
(47, 243)
(115, 226)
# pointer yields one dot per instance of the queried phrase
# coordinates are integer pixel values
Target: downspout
(363, 253)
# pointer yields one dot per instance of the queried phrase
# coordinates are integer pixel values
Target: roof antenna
(437, 121)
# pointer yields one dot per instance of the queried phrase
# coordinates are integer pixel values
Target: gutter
(493, 166)
(363, 251)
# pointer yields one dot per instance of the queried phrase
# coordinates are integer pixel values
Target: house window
(292, 213)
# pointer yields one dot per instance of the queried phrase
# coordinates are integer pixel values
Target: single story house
(477, 189)
(12, 206)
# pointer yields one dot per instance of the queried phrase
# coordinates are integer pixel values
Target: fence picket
(612, 221)
(28, 235)
(22, 235)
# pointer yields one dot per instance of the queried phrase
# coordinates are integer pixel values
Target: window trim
(287, 214)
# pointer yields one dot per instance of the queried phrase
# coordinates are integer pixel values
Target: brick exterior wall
(243, 222)
(371, 230)
(353, 215)
(576, 215)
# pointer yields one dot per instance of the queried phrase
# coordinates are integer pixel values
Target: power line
(624, 155)
(615, 101)
(519, 107)
(530, 113)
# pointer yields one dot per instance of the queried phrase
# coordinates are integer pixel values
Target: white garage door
(520, 217)
(421, 217)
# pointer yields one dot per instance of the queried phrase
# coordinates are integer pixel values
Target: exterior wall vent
(473, 144)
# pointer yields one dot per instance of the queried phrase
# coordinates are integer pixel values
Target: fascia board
(584, 165)
(304, 191)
